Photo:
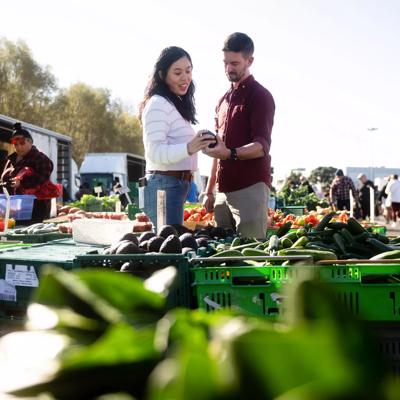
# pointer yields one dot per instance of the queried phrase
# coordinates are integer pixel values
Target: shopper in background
(393, 192)
(305, 183)
(170, 142)
(339, 193)
(364, 190)
(386, 204)
(27, 169)
(241, 167)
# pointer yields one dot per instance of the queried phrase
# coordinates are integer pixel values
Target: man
(242, 165)
(339, 193)
(364, 195)
(26, 169)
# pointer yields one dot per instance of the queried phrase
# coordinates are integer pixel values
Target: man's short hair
(239, 43)
(18, 130)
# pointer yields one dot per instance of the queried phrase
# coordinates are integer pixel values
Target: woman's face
(179, 76)
(22, 145)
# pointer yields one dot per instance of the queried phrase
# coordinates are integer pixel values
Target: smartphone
(206, 132)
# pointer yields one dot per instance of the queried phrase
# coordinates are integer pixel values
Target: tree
(26, 88)
(322, 176)
(95, 123)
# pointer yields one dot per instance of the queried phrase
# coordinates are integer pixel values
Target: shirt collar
(243, 84)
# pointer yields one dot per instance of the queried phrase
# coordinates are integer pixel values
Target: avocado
(114, 246)
(218, 232)
(166, 231)
(187, 240)
(187, 250)
(106, 250)
(202, 241)
(171, 245)
(155, 243)
(130, 236)
(181, 229)
(146, 236)
(127, 267)
(127, 248)
(144, 245)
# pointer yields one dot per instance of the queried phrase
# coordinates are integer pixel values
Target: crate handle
(212, 303)
(250, 280)
(213, 260)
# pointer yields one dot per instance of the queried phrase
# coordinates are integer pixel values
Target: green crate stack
(21, 268)
(371, 292)
(179, 296)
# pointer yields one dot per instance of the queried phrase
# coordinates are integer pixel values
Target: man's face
(22, 145)
(237, 66)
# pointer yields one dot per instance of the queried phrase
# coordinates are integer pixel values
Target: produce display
(89, 202)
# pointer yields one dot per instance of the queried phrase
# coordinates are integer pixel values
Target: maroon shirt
(245, 115)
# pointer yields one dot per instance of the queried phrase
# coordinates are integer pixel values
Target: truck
(57, 146)
(102, 169)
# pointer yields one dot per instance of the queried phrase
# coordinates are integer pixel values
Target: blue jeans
(176, 193)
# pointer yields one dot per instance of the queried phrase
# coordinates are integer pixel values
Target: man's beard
(233, 77)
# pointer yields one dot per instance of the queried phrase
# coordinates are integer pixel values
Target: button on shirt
(245, 115)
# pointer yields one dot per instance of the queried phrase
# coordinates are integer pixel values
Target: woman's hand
(15, 183)
(199, 142)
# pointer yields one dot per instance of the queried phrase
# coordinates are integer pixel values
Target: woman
(170, 142)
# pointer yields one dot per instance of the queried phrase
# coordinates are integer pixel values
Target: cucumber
(316, 254)
(324, 221)
(290, 235)
(337, 225)
(387, 255)
(253, 252)
(284, 229)
(285, 243)
(300, 242)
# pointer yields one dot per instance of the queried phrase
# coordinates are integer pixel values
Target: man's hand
(208, 202)
(220, 151)
(15, 183)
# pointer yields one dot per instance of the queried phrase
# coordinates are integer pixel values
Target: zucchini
(378, 245)
(227, 253)
(347, 236)
(290, 235)
(338, 238)
(337, 225)
(285, 243)
(300, 242)
(324, 221)
(387, 255)
(315, 254)
(355, 227)
(245, 246)
(236, 242)
(253, 252)
(284, 229)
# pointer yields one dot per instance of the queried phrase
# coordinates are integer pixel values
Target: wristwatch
(233, 156)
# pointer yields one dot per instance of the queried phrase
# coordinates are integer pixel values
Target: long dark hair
(157, 85)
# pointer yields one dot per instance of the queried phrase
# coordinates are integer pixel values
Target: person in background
(83, 189)
(386, 204)
(364, 195)
(170, 142)
(27, 158)
(305, 183)
(393, 192)
(193, 194)
(339, 192)
(241, 168)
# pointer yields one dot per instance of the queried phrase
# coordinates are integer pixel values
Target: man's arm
(208, 201)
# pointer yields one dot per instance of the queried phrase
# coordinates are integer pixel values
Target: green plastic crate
(372, 292)
(296, 210)
(20, 270)
(39, 237)
(180, 294)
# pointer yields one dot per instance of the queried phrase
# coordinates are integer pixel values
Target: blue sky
(332, 66)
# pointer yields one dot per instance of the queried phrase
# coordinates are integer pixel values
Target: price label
(21, 275)
(7, 291)
(98, 189)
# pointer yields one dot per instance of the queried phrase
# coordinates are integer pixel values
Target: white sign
(7, 291)
(21, 275)
(161, 208)
(98, 189)
(141, 197)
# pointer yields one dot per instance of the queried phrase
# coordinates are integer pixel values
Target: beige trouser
(245, 209)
